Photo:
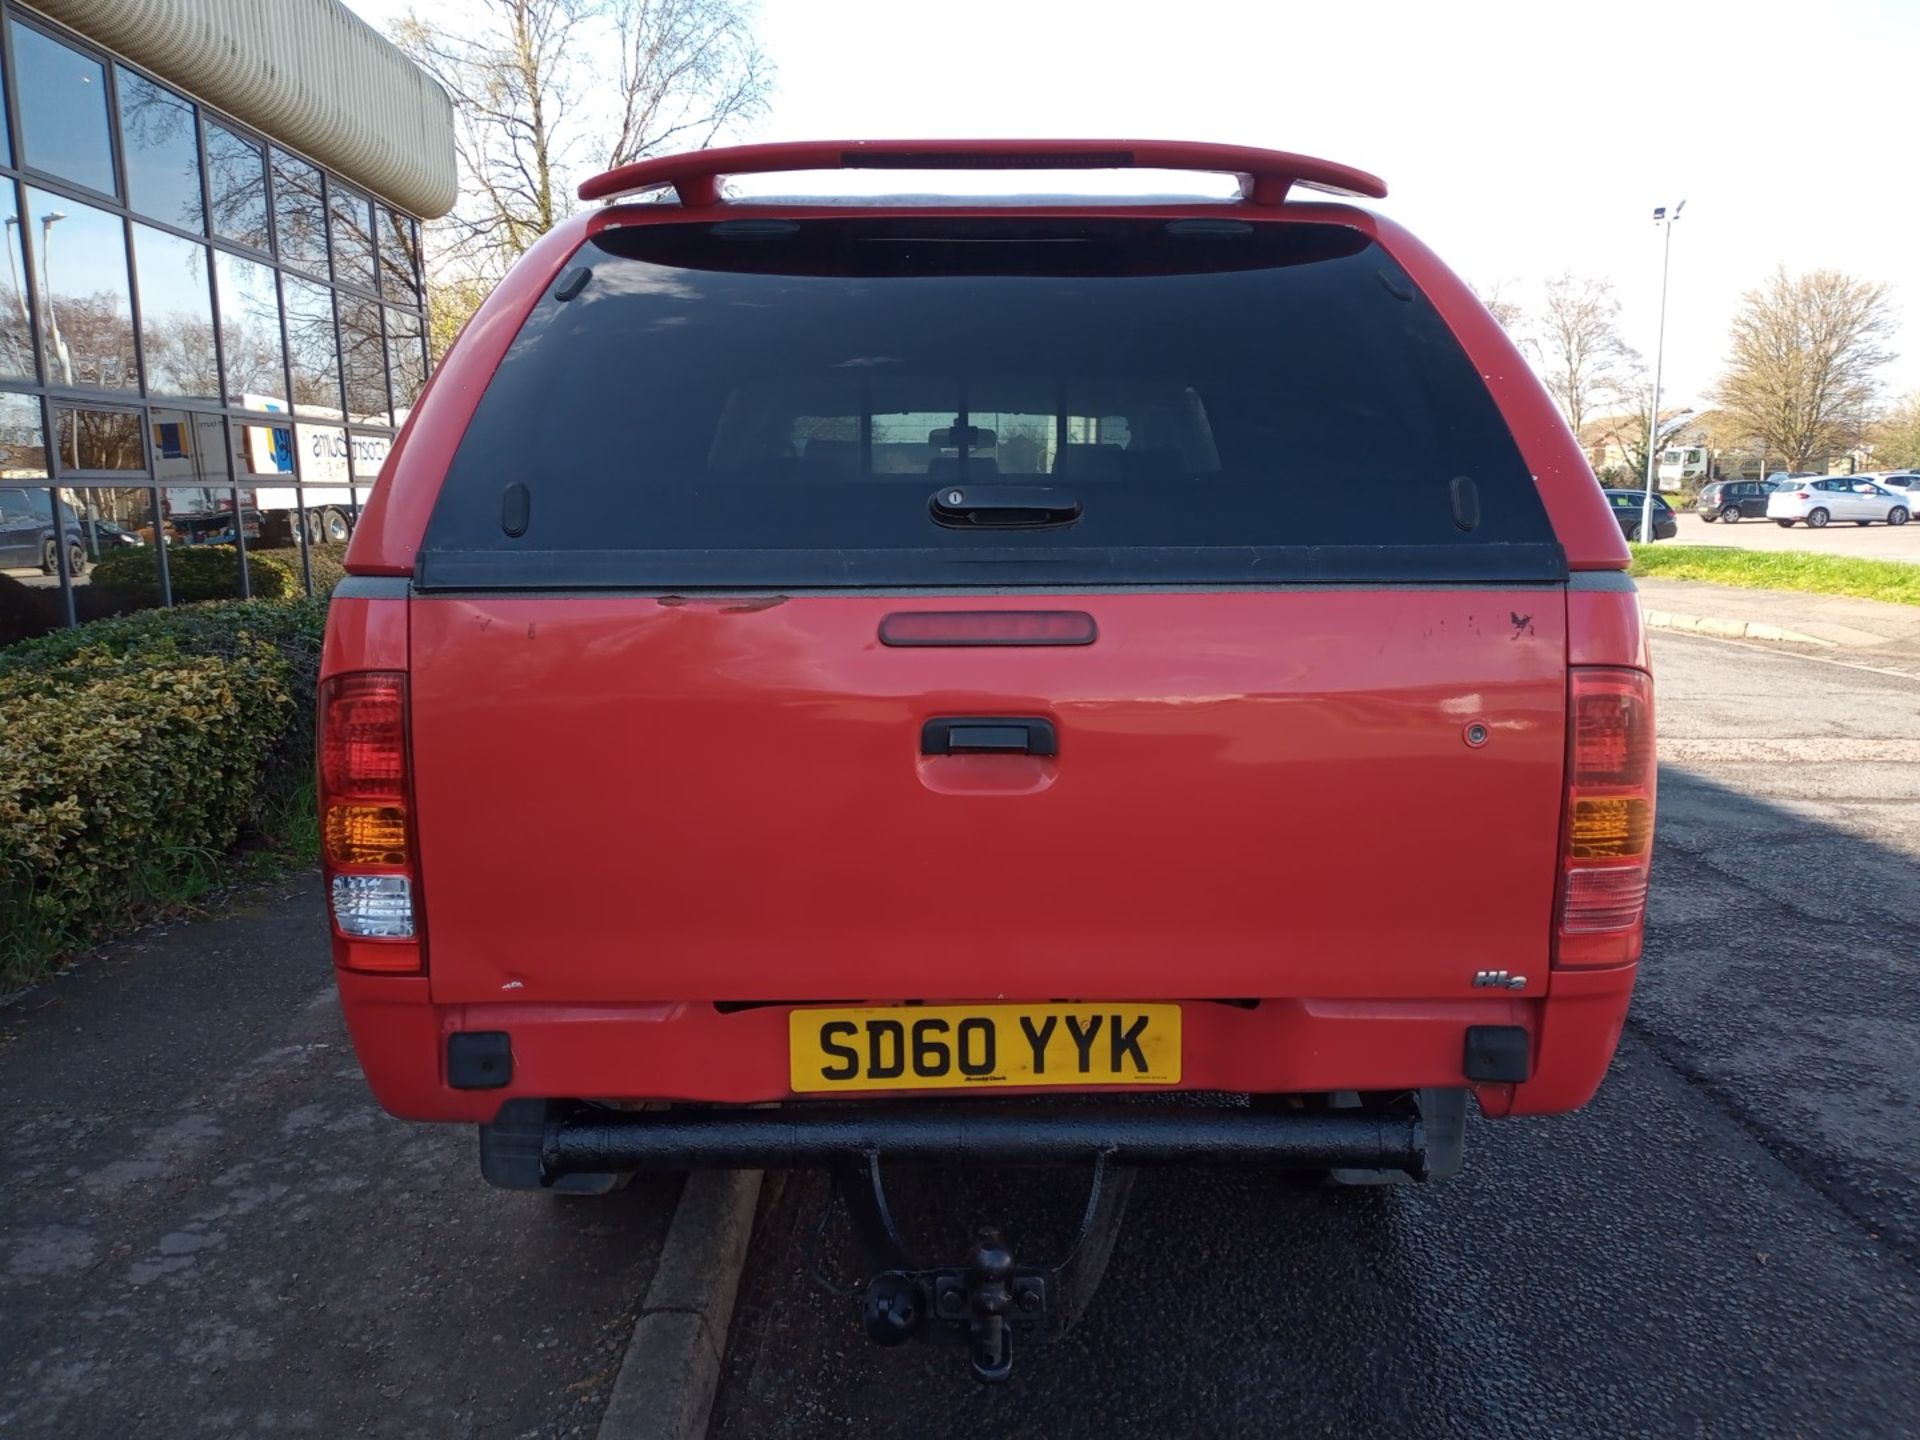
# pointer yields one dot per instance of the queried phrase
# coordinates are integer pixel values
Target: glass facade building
(205, 338)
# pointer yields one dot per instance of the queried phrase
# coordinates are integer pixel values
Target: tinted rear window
(765, 403)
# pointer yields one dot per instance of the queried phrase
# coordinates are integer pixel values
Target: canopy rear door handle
(988, 735)
(1011, 507)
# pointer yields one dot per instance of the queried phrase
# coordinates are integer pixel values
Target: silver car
(1838, 497)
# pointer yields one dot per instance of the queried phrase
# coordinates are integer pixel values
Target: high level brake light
(366, 826)
(1608, 829)
(988, 627)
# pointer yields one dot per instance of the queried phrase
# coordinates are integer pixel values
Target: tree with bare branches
(1631, 426)
(1498, 298)
(1803, 362)
(1576, 338)
(1896, 437)
(546, 91)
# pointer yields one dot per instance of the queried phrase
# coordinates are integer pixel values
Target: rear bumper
(943, 1132)
(695, 1052)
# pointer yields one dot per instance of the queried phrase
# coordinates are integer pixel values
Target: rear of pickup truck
(861, 656)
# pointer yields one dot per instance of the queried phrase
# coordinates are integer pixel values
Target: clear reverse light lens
(1600, 899)
(376, 907)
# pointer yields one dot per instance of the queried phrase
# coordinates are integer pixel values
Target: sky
(1518, 139)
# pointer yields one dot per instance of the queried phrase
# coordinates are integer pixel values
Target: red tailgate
(1256, 794)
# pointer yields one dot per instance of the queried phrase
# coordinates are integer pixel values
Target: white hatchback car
(1838, 497)
(1906, 484)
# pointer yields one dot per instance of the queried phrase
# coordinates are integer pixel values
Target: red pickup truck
(962, 669)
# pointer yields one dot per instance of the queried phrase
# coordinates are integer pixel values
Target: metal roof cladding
(308, 73)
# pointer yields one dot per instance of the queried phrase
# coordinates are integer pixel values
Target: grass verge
(1895, 581)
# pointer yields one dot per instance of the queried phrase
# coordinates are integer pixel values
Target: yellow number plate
(955, 1047)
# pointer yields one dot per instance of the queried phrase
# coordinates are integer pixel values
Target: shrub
(268, 655)
(194, 572)
(329, 567)
(125, 772)
(24, 611)
(225, 629)
(211, 572)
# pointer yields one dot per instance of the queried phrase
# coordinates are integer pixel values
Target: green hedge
(329, 566)
(212, 572)
(134, 752)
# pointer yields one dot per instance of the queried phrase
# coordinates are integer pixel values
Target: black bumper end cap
(1498, 1053)
(480, 1060)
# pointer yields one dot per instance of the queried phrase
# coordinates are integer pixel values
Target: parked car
(1904, 483)
(1732, 500)
(1628, 509)
(964, 697)
(110, 536)
(1838, 497)
(26, 531)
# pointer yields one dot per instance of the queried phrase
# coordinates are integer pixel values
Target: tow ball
(991, 1303)
(988, 1298)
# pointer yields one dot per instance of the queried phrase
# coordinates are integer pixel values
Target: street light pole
(47, 222)
(1661, 217)
(13, 274)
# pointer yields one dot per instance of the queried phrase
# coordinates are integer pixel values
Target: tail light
(366, 822)
(1607, 848)
(1803, 494)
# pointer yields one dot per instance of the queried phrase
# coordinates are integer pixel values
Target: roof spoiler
(1265, 175)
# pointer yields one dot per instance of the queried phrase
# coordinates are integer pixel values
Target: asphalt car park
(1877, 542)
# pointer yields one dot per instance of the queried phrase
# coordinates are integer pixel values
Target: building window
(16, 333)
(63, 110)
(266, 452)
(26, 517)
(162, 152)
(176, 315)
(250, 333)
(113, 519)
(406, 359)
(23, 448)
(299, 214)
(352, 238)
(310, 349)
(237, 179)
(399, 258)
(98, 440)
(85, 309)
(363, 360)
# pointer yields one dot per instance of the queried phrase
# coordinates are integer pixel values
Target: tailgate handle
(988, 735)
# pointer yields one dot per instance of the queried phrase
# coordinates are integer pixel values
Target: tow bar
(992, 1300)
